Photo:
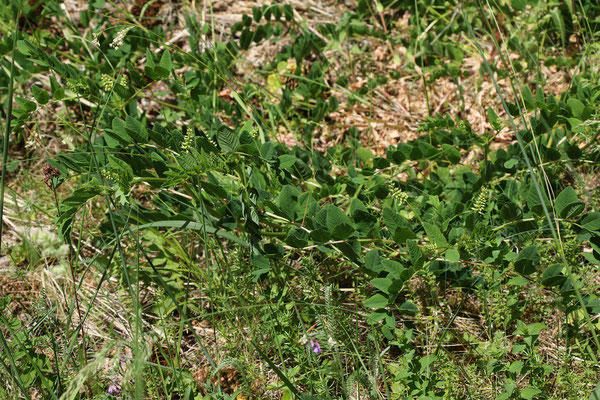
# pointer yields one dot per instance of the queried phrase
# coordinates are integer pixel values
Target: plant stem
(70, 260)
(7, 126)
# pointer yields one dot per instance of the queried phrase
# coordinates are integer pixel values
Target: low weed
(383, 200)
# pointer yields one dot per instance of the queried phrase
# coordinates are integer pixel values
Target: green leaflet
(41, 96)
(382, 284)
(415, 253)
(527, 260)
(135, 130)
(376, 301)
(117, 135)
(567, 203)
(70, 205)
(435, 235)
(596, 393)
(576, 106)
(338, 223)
(297, 237)
(553, 276)
(287, 201)
(528, 98)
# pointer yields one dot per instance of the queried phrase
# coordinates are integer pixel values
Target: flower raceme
(118, 40)
(480, 202)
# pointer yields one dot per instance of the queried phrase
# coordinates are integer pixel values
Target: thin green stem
(11, 80)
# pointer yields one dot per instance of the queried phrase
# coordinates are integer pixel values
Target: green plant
(348, 268)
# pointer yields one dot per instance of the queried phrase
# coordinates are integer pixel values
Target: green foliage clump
(428, 270)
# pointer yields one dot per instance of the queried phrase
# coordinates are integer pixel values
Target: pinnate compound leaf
(262, 263)
(286, 161)
(165, 61)
(518, 5)
(402, 234)
(350, 249)
(246, 39)
(373, 261)
(576, 124)
(534, 203)
(516, 367)
(267, 150)
(26, 105)
(381, 163)
(394, 268)
(320, 235)
(559, 23)
(26, 48)
(392, 219)
(204, 226)
(57, 91)
(357, 207)
(162, 70)
(121, 168)
(540, 100)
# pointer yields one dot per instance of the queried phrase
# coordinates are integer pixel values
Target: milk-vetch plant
(196, 205)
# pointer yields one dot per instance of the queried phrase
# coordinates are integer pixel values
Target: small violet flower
(113, 389)
(316, 347)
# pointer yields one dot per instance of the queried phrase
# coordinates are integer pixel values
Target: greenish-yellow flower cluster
(400, 196)
(188, 140)
(108, 82)
(480, 202)
(109, 175)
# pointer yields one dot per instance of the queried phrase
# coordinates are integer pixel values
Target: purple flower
(316, 347)
(113, 389)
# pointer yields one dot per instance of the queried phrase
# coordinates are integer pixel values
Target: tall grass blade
(7, 122)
